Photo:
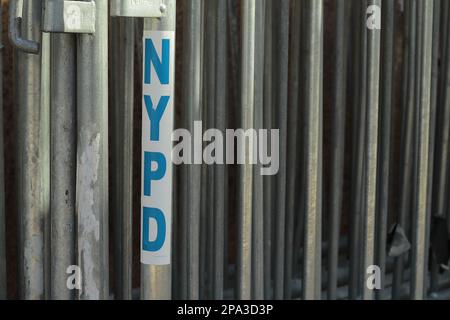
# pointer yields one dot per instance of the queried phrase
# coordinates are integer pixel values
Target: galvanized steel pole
(422, 119)
(407, 137)
(220, 172)
(359, 118)
(92, 202)
(31, 126)
(3, 286)
(245, 187)
(387, 93)
(268, 124)
(281, 74)
(338, 144)
(63, 124)
(191, 174)
(156, 281)
(122, 151)
(292, 140)
(258, 191)
(371, 152)
(313, 150)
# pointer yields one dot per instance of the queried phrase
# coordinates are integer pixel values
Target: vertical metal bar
(433, 170)
(419, 264)
(123, 153)
(63, 162)
(281, 59)
(300, 218)
(92, 158)
(267, 123)
(156, 281)
(371, 145)
(292, 139)
(244, 240)
(209, 107)
(44, 145)
(221, 95)
(406, 162)
(338, 144)
(258, 192)
(358, 156)
(313, 131)
(442, 147)
(388, 32)
(30, 126)
(443, 131)
(191, 175)
(3, 291)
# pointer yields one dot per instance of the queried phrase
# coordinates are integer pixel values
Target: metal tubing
(31, 126)
(92, 158)
(122, 185)
(258, 192)
(3, 291)
(15, 27)
(358, 156)
(267, 124)
(371, 151)
(406, 161)
(385, 137)
(313, 131)
(221, 95)
(292, 139)
(281, 60)
(419, 264)
(338, 145)
(433, 121)
(208, 172)
(443, 131)
(156, 281)
(191, 175)
(244, 255)
(63, 162)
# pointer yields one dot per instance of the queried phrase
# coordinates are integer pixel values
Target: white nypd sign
(157, 127)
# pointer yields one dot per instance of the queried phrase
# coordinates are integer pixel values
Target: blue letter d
(155, 245)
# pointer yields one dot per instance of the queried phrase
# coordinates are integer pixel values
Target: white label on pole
(157, 126)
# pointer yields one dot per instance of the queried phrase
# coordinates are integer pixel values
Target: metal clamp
(68, 16)
(15, 20)
(138, 8)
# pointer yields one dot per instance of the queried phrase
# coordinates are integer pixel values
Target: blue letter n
(161, 66)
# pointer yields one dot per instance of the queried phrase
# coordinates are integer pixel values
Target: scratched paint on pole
(157, 126)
